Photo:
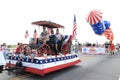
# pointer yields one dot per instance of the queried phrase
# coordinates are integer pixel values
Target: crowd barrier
(93, 50)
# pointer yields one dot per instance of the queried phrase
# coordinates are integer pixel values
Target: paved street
(92, 67)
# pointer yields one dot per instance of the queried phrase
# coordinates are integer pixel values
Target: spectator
(52, 40)
(2, 61)
(117, 47)
(111, 47)
(106, 47)
(79, 47)
(4, 49)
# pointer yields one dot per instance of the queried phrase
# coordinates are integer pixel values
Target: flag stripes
(74, 33)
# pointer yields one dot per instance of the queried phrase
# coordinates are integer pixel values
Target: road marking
(22, 77)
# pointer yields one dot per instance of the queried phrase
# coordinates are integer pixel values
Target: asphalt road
(92, 67)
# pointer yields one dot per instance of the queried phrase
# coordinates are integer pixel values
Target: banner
(93, 50)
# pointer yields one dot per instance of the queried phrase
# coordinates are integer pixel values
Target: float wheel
(25, 48)
(44, 49)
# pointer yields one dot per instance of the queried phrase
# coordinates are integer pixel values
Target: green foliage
(12, 46)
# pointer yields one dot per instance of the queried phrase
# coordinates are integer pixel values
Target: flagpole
(74, 34)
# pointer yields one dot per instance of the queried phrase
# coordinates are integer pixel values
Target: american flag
(74, 28)
(35, 34)
(26, 34)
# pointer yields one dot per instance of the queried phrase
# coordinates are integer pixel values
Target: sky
(16, 17)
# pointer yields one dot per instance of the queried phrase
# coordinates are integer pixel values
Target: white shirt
(59, 36)
(2, 59)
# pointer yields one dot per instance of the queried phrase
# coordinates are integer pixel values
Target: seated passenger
(58, 40)
(44, 35)
(52, 37)
(52, 40)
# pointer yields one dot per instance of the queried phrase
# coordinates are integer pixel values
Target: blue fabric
(107, 24)
(66, 36)
(100, 27)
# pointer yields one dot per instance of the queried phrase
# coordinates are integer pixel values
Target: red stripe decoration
(42, 72)
(43, 66)
(109, 34)
(94, 17)
(74, 33)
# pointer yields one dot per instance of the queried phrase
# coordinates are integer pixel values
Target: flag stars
(50, 60)
(41, 62)
(58, 59)
(54, 59)
(46, 61)
(37, 61)
(67, 58)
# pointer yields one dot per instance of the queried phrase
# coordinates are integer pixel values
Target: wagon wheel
(25, 48)
(44, 49)
(65, 48)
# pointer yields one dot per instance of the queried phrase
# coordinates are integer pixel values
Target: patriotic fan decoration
(94, 17)
(99, 25)
(109, 34)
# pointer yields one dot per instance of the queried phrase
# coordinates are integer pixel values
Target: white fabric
(2, 59)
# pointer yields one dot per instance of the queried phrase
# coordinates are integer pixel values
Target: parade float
(45, 59)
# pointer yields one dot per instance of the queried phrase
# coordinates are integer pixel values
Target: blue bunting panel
(100, 27)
